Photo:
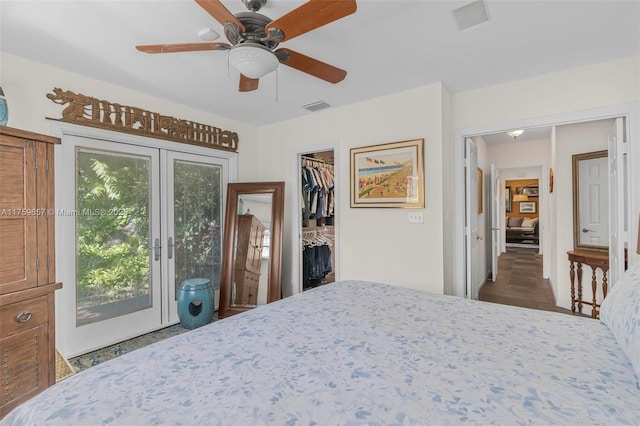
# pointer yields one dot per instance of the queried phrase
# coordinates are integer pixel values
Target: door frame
(496, 211)
(293, 284)
(631, 111)
(61, 130)
(471, 219)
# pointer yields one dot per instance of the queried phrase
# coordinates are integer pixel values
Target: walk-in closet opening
(318, 213)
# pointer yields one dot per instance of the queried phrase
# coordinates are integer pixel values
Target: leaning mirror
(591, 201)
(252, 246)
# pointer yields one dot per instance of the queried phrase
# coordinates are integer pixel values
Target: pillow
(529, 222)
(514, 222)
(620, 312)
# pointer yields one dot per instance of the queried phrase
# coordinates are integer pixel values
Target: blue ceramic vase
(4, 110)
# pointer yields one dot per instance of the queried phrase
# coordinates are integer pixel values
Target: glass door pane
(195, 220)
(113, 265)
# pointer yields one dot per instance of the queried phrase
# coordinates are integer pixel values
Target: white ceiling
(386, 46)
(530, 134)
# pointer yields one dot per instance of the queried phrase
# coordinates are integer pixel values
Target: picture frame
(480, 192)
(507, 199)
(531, 191)
(388, 175)
(527, 207)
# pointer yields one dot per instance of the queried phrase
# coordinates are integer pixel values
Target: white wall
(520, 154)
(566, 95)
(448, 197)
(374, 244)
(576, 89)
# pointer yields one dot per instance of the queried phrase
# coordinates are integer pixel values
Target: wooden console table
(595, 260)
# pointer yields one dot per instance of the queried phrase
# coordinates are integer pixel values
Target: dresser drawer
(18, 317)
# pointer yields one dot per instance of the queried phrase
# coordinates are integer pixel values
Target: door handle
(587, 230)
(156, 248)
(170, 248)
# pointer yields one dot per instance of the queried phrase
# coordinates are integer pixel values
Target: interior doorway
(318, 208)
(564, 139)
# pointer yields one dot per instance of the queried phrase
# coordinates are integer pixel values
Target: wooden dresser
(27, 266)
(246, 274)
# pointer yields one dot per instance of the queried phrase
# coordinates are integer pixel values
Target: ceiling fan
(254, 38)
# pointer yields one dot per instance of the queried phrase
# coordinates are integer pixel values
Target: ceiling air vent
(316, 106)
(472, 14)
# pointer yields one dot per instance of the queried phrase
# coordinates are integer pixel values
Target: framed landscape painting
(527, 207)
(388, 175)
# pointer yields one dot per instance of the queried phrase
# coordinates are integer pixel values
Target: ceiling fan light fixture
(253, 60)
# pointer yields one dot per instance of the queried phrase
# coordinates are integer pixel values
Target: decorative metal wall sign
(94, 112)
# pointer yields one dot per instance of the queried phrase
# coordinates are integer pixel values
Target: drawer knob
(23, 317)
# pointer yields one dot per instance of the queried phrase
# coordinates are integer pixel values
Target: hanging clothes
(316, 256)
(317, 191)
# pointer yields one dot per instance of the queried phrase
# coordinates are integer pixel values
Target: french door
(194, 222)
(138, 222)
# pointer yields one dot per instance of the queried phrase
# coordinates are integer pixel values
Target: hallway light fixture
(515, 133)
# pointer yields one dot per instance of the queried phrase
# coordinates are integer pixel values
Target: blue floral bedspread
(358, 353)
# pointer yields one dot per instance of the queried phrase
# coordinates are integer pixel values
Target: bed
(355, 353)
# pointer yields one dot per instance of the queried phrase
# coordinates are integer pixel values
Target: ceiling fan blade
(247, 84)
(312, 15)
(219, 12)
(182, 47)
(312, 66)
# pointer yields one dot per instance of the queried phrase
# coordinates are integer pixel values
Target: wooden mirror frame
(274, 290)
(576, 159)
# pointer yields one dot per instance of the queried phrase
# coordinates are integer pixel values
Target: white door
(594, 201)
(111, 221)
(617, 190)
(497, 210)
(471, 219)
(195, 188)
(139, 221)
